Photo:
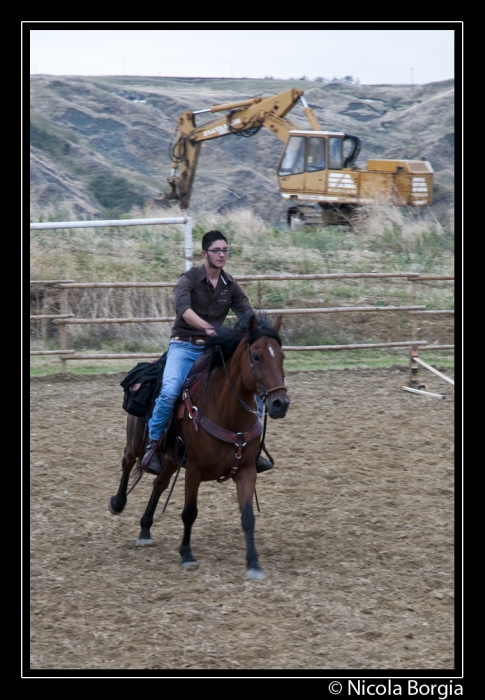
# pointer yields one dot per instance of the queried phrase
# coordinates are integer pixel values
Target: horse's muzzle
(278, 405)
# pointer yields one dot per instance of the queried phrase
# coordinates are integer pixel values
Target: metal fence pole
(188, 244)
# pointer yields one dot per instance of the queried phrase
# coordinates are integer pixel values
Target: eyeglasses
(216, 251)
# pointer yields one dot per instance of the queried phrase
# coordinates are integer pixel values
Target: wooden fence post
(414, 370)
(64, 310)
(413, 302)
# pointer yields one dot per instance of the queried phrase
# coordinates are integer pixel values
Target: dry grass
(374, 219)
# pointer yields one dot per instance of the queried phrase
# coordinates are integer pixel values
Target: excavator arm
(244, 118)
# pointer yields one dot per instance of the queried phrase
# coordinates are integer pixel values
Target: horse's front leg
(189, 515)
(159, 486)
(246, 483)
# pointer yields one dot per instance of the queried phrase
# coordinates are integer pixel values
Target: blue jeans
(180, 358)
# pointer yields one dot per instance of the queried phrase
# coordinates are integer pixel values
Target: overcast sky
(389, 55)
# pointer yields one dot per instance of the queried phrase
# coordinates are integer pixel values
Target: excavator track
(317, 216)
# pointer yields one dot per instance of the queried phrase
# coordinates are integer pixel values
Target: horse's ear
(277, 325)
(252, 324)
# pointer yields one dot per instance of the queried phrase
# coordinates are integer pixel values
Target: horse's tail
(138, 470)
(137, 474)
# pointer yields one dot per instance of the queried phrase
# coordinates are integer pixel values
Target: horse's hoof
(255, 575)
(112, 509)
(190, 564)
(143, 542)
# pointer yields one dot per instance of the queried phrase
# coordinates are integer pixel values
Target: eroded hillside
(101, 146)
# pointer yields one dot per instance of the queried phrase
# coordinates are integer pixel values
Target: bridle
(262, 392)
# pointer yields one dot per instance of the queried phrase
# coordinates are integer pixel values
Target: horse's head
(263, 372)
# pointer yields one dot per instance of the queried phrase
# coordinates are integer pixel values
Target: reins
(243, 403)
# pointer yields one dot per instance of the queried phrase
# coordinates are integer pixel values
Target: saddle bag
(141, 385)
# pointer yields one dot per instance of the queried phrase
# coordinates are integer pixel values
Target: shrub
(115, 193)
(51, 143)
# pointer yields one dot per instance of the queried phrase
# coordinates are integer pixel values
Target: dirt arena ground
(355, 534)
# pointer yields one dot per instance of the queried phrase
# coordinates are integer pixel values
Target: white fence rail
(185, 220)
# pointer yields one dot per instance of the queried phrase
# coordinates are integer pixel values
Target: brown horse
(220, 429)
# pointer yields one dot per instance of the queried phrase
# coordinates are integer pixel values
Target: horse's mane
(228, 338)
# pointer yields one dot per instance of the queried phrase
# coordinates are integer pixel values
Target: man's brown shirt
(194, 291)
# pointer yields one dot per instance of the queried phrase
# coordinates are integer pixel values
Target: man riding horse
(203, 297)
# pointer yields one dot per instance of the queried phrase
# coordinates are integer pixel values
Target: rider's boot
(263, 465)
(151, 464)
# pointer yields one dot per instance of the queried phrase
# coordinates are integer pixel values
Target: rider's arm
(196, 321)
(183, 303)
(239, 302)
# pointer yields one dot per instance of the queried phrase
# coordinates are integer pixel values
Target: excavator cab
(308, 157)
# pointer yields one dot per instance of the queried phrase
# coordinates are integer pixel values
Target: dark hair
(210, 237)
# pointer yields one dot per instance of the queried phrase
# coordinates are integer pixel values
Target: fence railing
(65, 318)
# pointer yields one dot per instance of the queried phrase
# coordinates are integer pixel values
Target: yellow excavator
(316, 170)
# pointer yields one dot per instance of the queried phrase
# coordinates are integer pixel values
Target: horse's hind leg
(245, 483)
(159, 486)
(117, 502)
(135, 429)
